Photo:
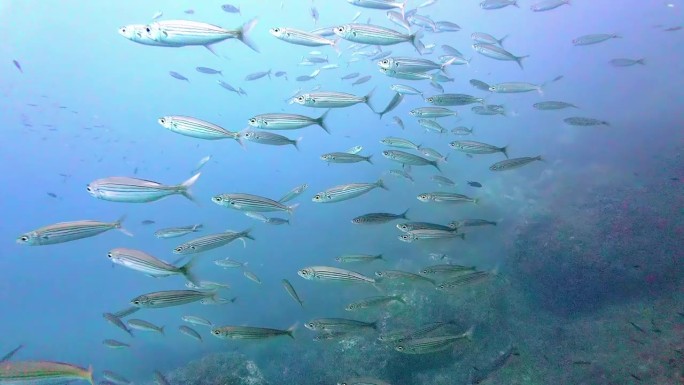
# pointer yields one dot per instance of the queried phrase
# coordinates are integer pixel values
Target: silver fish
(295, 36)
(516, 87)
(114, 344)
(326, 99)
(445, 197)
(432, 112)
(429, 234)
(398, 19)
(396, 100)
(453, 100)
(479, 84)
(178, 76)
(250, 332)
(431, 344)
(409, 226)
(481, 37)
(362, 80)
(350, 76)
(229, 263)
(339, 324)
(208, 71)
(334, 274)
(134, 190)
(470, 222)
(622, 62)
(393, 141)
(196, 128)
(190, 332)
(145, 326)
(405, 90)
(115, 378)
(197, 320)
(442, 180)
(231, 9)
(354, 258)
(401, 174)
(211, 241)
(250, 202)
(497, 4)
(378, 218)
(295, 192)
(498, 53)
(431, 125)
(344, 157)
(402, 276)
(187, 32)
(68, 231)
(251, 276)
(547, 5)
(374, 302)
(553, 105)
(446, 269)
(379, 4)
(472, 147)
(265, 137)
(594, 39)
(278, 121)
(406, 158)
(376, 35)
(583, 121)
(116, 321)
(346, 191)
(292, 292)
(161, 299)
(510, 164)
(149, 264)
(175, 232)
(397, 120)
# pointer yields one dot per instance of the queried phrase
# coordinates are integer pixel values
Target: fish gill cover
(342, 192)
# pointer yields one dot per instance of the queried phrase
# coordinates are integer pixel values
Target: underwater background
(585, 261)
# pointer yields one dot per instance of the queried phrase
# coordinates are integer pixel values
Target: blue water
(114, 90)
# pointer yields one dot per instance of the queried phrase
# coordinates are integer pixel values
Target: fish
(442, 180)
(149, 264)
(354, 258)
(114, 344)
(42, 372)
(547, 5)
(175, 232)
(258, 75)
(145, 326)
(479, 84)
(470, 222)
(429, 234)
(472, 147)
(393, 141)
(594, 38)
(328, 336)
(396, 100)
(206, 285)
(125, 312)
(447, 26)
(11, 354)
(379, 4)
(314, 14)
(196, 128)
(406, 158)
(333, 274)
(250, 332)
(208, 71)
(350, 76)
(376, 35)
(178, 76)
(445, 197)
(432, 112)
(197, 320)
(69, 231)
(516, 87)
(147, 222)
(298, 37)
(474, 184)
(52, 195)
(344, 157)
(277, 221)
(397, 120)
(583, 121)
(410, 226)
(498, 4)
(278, 121)
(295, 192)
(269, 138)
(115, 378)
(374, 302)
(180, 33)
(212, 241)
(622, 62)
(168, 298)
(160, 379)
(116, 321)
(378, 218)
(134, 190)
(281, 74)
(362, 80)
(339, 324)
(346, 191)
(231, 9)
(327, 99)
(399, 276)
(405, 90)
(292, 292)
(446, 269)
(553, 105)
(250, 202)
(498, 53)
(190, 332)
(228, 87)
(512, 163)
(398, 19)
(251, 276)
(431, 125)
(431, 344)
(18, 66)
(464, 279)
(481, 37)
(412, 65)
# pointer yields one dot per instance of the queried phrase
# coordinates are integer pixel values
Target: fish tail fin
(374, 325)
(519, 60)
(211, 49)
(291, 209)
(469, 333)
(539, 157)
(295, 143)
(119, 225)
(161, 330)
(368, 159)
(366, 99)
(186, 270)
(321, 121)
(269, 74)
(184, 188)
(641, 61)
(446, 158)
(290, 331)
(462, 235)
(89, 375)
(434, 163)
(504, 149)
(243, 34)
(402, 8)
(500, 41)
(246, 234)
(415, 41)
(381, 184)
(515, 3)
(197, 227)
(381, 257)
(444, 66)
(404, 215)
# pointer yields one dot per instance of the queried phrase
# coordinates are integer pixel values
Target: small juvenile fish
(206, 285)
(479, 84)
(346, 191)
(398, 275)
(353, 258)
(396, 100)
(442, 180)
(446, 269)
(114, 344)
(350, 76)
(197, 320)
(231, 9)
(116, 321)
(498, 53)
(208, 71)
(401, 174)
(410, 226)
(481, 37)
(16, 64)
(547, 5)
(251, 276)
(582, 121)
(431, 125)
(445, 197)
(470, 222)
(553, 105)
(362, 80)
(314, 14)
(378, 218)
(515, 87)
(393, 141)
(512, 163)
(492, 109)
(474, 184)
(258, 75)
(406, 158)
(277, 221)
(497, 4)
(462, 130)
(295, 36)
(145, 326)
(405, 90)
(345, 157)
(333, 274)
(626, 62)
(281, 74)
(212, 241)
(594, 39)
(190, 332)
(178, 76)
(292, 292)
(432, 112)
(295, 192)
(175, 232)
(229, 263)
(397, 120)
(338, 324)
(269, 138)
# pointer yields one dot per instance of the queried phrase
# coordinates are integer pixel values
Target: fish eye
(385, 61)
(218, 199)
(162, 120)
(405, 237)
(317, 196)
(193, 247)
(109, 255)
(378, 273)
(24, 238)
(123, 29)
(400, 348)
(136, 302)
(339, 29)
(430, 100)
(252, 120)
(89, 189)
(311, 325)
(178, 249)
(148, 29)
(300, 98)
(303, 272)
(216, 332)
(276, 30)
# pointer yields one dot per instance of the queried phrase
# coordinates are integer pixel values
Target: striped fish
(392, 73)
(138, 33)
(339, 324)
(429, 234)
(431, 344)
(445, 197)
(431, 125)
(42, 372)
(292, 292)
(405, 90)
(404, 335)
(292, 194)
(354, 258)
(409, 64)
(196, 128)
(432, 112)
(465, 279)
(115, 378)
(69, 231)
(190, 332)
(473, 147)
(470, 222)
(374, 301)
(197, 320)
(181, 33)
(346, 191)
(405, 276)
(327, 273)
(378, 218)
(409, 226)
(345, 157)
(168, 298)
(376, 35)
(453, 100)
(175, 232)
(498, 53)
(145, 326)
(442, 180)
(250, 332)
(114, 344)
(510, 164)
(149, 264)
(331, 99)
(379, 4)
(447, 269)
(116, 321)
(399, 143)
(212, 241)
(295, 36)
(277, 121)
(250, 202)
(265, 137)
(409, 159)
(134, 190)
